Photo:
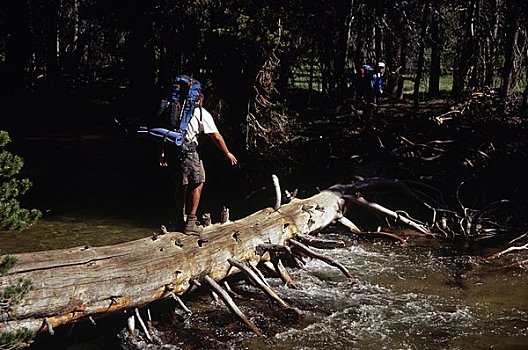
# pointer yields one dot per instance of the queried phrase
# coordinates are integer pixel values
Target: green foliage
(12, 216)
(15, 339)
(10, 296)
(8, 261)
(13, 294)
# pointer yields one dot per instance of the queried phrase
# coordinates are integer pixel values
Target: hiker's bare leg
(194, 192)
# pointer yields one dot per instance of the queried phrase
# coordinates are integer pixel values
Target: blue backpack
(175, 112)
(366, 72)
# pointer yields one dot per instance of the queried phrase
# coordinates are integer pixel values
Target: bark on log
(73, 284)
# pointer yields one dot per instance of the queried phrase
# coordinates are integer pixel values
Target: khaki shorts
(191, 169)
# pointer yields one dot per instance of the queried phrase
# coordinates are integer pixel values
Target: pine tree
(12, 216)
(10, 296)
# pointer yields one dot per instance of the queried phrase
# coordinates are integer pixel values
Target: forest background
(269, 69)
(279, 78)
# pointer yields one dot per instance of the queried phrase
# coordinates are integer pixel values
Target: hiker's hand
(231, 158)
(163, 161)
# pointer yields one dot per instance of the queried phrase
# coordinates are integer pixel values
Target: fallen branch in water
(385, 235)
(390, 213)
(232, 306)
(259, 283)
(307, 251)
(319, 242)
(508, 250)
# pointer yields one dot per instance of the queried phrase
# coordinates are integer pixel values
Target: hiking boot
(192, 227)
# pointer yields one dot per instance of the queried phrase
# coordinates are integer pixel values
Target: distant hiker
(188, 119)
(377, 83)
(370, 82)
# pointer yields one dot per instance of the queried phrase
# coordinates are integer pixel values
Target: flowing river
(405, 298)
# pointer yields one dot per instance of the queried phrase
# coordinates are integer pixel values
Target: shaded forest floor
(467, 155)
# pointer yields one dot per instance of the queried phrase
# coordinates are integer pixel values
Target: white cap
(381, 64)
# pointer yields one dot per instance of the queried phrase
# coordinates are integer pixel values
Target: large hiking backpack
(366, 72)
(363, 81)
(175, 112)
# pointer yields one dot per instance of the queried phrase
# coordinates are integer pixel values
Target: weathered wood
(276, 266)
(390, 213)
(273, 249)
(320, 242)
(304, 249)
(259, 282)
(72, 284)
(278, 196)
(181, 303)
(232, 306)
(145, 330)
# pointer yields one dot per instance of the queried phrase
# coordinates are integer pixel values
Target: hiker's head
(381, 67)
(183, 89)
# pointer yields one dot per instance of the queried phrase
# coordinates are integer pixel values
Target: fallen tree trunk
(74, 284)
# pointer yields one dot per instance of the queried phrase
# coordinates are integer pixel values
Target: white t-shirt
(200, 122)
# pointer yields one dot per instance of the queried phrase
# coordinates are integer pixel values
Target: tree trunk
(463, 54)
(513, 12)
(493, 44)
(17, 48)
(403, 67)
(74, 284)
(436, 47)
(378, 34)
(341, 57)
(420, 64)
(52, 48)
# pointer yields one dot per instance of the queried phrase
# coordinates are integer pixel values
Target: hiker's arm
(219, 141)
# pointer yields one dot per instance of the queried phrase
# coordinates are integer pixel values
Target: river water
(410, 299)
(98, 190)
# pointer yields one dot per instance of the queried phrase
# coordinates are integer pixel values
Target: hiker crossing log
(74, 284)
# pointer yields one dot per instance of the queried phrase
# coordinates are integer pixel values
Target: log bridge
(75, 284)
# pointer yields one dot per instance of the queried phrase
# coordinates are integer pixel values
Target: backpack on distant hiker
(170, 123)
(366, 72)
(364, 76)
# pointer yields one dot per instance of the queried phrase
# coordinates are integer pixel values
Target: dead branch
(385, 235)
(276, 185)
(278, 268)
(389, 213)
(319, 242)
(307, 251)
(262, 249)
(440, 119)
(508, 250)
(349, 224)
(180, 302)
(259, 283)
(231, 305)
